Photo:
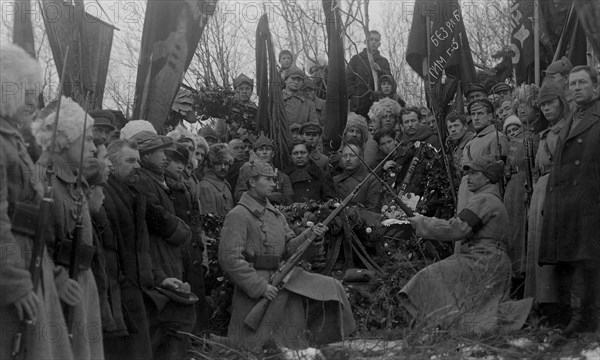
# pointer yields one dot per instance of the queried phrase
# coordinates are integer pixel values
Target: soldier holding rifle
(65, 155)
(254, 241)
(29, 293)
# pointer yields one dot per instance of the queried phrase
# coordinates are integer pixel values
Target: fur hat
(219, 153)
(357, 121)
(379, 108)
(201, 143)
(19, 73)
(253, 168)
(493, 169)
(135, 126)
(69, 128)
(181, 133)
(511, 120)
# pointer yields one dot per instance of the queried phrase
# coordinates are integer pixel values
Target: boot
(577, 323)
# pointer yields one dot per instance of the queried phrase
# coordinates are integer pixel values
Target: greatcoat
(572, 208)
(18, 183)
(253, 229)
(369, 195)
(215, 195)
(311, 183)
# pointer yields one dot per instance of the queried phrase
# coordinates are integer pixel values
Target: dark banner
(22, 28)
(522, 43)
(89, 40)
(172, 30)
(589, 17)
(272, 118)
(447, 45)
(337, 91)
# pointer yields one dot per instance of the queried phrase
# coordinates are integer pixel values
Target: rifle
(411, 168)
(284, 272)
(529, 165)
(408, 211)
(40, 238)
(77, 232)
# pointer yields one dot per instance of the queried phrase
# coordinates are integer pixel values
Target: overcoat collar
(257, 209)
(60, 167)
(589, 116)
(486, 130)
(489, 189)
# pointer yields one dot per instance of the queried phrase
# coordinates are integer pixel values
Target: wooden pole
(536, 40)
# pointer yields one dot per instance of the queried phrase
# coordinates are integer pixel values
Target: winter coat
(319, 159)
(572, 207)
(483, 143)
(457, 151)
(252, 229)
(283, 193)
(87, 339)
(167, 232)
(215, 195)
(311, 183)
(361, 84)
(18, 183)
(126, 212)
(299, 110)
(369, 195)
(186, 208)
(467, 293)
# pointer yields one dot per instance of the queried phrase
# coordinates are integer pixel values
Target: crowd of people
(524, 163)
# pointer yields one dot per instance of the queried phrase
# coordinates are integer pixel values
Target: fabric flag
(22, 27)
(89, 40)
(572, 43)
(589, 15)
(172, 30)
(447, 47)
(522, 43)
(337, 90)
(272, 118)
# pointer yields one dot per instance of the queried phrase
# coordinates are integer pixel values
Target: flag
(447, 47)
(522, 43)
(271, 118)
(589, 13)
(171, 33)
(337, 90)
(89, 40)
(572, 42)
(22, 27)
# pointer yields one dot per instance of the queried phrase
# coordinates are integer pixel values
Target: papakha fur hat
(19, 74)
(135, 126)
(69, 127)
(359, 122)
(379, 108)
(219, 153)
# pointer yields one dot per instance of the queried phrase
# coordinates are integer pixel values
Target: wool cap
(387, 78)
(103, 118)
(69, 127)
(562, 66)
(511, 120)
(479, 103)
(550, 90)
(242, 79)
(311, 127)
(148, 141)
(135, 126)
(219, 153)
(294, 71)
(263, 141)
(179, 152)
(474, 87)
(493, 169)
(182, 134)
(255, 168)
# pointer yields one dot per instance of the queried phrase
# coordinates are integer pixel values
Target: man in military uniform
(215, 190)
(298, 109)
(475, 91)
(104, 121)
(20, 82)
(486, 141)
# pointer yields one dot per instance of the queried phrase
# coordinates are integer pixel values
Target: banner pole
(536, 40)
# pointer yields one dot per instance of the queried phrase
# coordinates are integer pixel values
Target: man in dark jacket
(167, 235)
(359, 75)
(308, 180)
(572, 208)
